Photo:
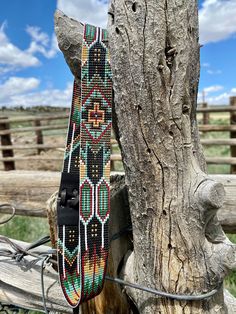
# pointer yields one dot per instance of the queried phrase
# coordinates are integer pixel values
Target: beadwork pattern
(83, 243)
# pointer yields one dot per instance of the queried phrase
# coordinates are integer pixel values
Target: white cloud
(37, 35)
(212, 96)
(213, 89)
(48, 97)
(41, 42)
(217, 20)
(90, 11)
(15, 86)
(205, 65)
(204, 95)
(214, 72)
(222, 99)
(208, 68)
(11, 56)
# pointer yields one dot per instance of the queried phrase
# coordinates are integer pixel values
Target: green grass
(218, 150)
(26, 229)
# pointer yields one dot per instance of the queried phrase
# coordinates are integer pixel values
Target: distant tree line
(42, 109)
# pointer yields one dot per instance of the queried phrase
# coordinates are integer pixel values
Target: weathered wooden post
(112, 151)
(6, 141)
(39, 135)
(206, 115)
(179, 246)
(233, 133)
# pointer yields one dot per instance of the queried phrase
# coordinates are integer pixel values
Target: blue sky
(33, 70)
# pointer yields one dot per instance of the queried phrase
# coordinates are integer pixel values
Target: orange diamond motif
(96, 115)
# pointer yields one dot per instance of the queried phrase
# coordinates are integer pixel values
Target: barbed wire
(18, 253)
(13, 209)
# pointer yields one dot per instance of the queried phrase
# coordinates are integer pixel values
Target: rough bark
(69, 36)
(179, 245)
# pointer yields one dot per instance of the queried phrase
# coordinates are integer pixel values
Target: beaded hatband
(84, 195)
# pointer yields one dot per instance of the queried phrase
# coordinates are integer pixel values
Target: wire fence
(18, 253)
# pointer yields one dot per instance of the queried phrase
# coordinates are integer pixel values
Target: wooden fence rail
(28, 192)
(229, 127)
(221, 160)
(43, 146)
(9, 127)
(216, 128)
(45, 117)
(31, 146)
(34, 129)
(214, 109)
(221, 141)
(6, 141)
(114, 157)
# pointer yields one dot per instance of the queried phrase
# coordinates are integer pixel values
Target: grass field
(31, 229)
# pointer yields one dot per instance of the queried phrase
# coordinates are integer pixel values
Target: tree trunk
(179, 246)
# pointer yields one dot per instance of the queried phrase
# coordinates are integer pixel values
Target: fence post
(39, 135)
(6, 140)
(233, 133)
(112, 162)
(206, 115)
